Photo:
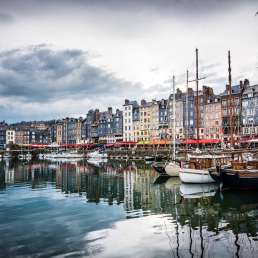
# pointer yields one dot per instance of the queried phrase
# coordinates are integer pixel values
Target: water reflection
(160, 219)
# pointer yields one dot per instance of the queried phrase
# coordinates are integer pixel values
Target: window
(246, 130)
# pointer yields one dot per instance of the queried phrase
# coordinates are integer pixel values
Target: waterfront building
(90, 126)
(144, 125)
(232, 108)
(105, 125)
(59, 133)
(71, 130)
(130, 114)
(249, 112)
(3, 128)
(212, 118)
(189, 114)
(10, 136)
(179, 118)
(155, 120)
(117, 126)
(22, 137)
(163, 131)
(200, 102)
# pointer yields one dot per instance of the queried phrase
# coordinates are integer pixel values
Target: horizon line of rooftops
(179, 95)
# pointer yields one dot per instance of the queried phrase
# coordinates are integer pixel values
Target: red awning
(207, 141)
(128, 143)
(189, 141)
(201, 141)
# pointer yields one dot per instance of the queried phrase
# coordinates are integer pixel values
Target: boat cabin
(207, 161)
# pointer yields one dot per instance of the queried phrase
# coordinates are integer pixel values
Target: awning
(200, 141)
(160, 142)
(143, 142)
(249, 140)
(125, 143)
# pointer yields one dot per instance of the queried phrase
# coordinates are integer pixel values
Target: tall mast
(174, 120)
(197, 89)
(230, 99)
(186, 102)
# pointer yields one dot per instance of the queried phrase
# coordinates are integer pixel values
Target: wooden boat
(196, 171)
(240, 175)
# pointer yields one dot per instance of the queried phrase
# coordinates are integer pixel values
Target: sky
(60, 58)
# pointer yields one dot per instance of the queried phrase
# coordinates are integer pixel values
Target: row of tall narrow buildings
(152, 121)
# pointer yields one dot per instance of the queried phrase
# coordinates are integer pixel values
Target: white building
(10, 136)
(128, 117)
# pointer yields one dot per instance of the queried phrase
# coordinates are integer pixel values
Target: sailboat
(196, 170)
(172, 168)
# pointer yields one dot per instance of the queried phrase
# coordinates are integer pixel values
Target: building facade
(249, 118)
(231, 111)
(212, 118)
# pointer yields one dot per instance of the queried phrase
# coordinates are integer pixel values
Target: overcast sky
(60, 58)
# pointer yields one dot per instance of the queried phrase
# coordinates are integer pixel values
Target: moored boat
(61, 155)
(97, 155)
(172, 169)
(239, 175)
(196, 171)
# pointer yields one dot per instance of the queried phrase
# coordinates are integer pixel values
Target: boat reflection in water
(89, 210)
(198, 190)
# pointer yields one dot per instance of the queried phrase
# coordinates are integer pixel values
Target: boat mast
(197, 99)
(230, 100)
(186, 102)
(174, 120)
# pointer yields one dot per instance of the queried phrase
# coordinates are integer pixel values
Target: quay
(139, 153)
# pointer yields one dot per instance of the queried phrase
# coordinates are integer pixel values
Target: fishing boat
(170, 168)
(238, 175)
(196, 170)
(97, 155)
(61, 155)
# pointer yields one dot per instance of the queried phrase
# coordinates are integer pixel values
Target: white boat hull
(195, 176)
(172, 169)
(61, 156)
(97, 155)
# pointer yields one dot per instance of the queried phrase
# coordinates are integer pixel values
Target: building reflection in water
(192, 225)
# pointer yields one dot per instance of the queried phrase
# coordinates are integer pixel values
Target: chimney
(110, 110)
(246, 83)
(143, 102)
(127, 101)
(241, 85)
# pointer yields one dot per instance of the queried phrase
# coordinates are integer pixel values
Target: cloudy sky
(60, 58)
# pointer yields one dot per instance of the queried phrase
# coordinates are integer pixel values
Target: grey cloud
(41, 74)
(168, 7)
(6, 18)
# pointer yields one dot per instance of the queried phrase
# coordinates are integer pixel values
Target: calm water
(119, 210)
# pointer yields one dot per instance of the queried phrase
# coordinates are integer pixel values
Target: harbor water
(119, 209)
